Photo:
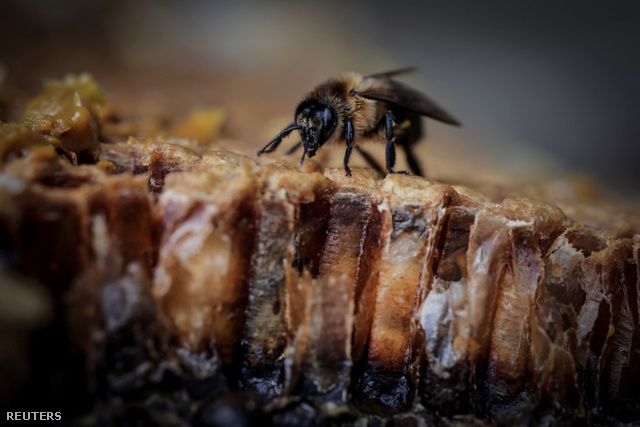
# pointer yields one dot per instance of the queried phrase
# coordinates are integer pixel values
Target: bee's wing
(401, 95)
(392, 73)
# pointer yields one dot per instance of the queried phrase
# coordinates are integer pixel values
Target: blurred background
(541, 87)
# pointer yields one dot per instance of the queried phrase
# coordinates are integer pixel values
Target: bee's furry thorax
(341, 94)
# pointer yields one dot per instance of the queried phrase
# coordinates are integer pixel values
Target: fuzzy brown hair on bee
(353, 108)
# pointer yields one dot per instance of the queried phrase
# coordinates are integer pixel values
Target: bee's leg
(372, 162)
(294, 148)
(273, 144)
(376, 129)
(349, 137)
(304, 153)
(391, 148)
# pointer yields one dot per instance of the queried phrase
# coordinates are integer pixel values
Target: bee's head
(317, 123)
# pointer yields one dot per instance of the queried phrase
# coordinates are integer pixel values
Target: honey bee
(352, 108)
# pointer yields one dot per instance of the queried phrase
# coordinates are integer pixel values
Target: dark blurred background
(545, 83)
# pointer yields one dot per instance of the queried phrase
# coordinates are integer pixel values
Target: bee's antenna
(278, 139)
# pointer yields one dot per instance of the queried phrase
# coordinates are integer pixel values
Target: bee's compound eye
(327, 117)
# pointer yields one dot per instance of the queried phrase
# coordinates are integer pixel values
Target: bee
(352, 108)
